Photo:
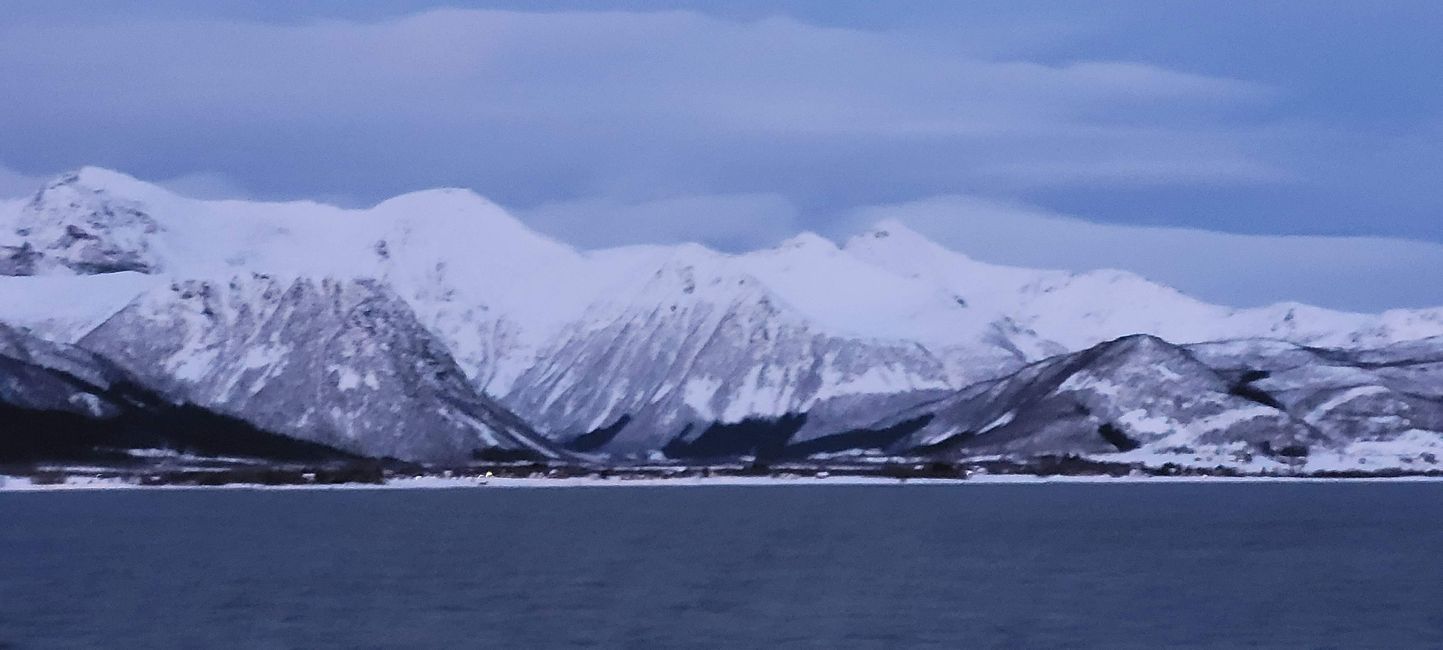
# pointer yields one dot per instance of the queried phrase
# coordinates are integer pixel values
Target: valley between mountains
(141, 326)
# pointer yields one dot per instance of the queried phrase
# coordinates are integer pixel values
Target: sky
(1244, 152)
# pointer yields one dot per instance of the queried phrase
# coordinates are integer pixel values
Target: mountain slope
(700, 342)
(416, 327)
(59, 403)
(1384, 406)
(1138, 393)
(70, 227)
(508, 303)
(1252, 404)
(1079, 310)
(343, 363)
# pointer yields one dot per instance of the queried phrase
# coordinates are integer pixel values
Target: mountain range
(434, 327)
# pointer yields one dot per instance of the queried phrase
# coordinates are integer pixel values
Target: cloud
(1131, 162)
(740, 131)
(532, 107)
(1356, 273)
(15, 184)
(200, 185)
(206, 185)
(1350, 273)
(727, 222)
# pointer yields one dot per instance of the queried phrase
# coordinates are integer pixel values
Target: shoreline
(22, 484)
(256, 474)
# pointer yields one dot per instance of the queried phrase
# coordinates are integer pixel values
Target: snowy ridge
(698, 342)
(62, 403)
(342, 363)
(65, 307)
(310, 319)
(1079, 310)
(1256, 404)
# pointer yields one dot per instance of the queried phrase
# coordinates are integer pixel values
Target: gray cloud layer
(538, 107)
(605, 128)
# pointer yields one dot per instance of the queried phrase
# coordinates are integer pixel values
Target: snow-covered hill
(1256, 404)
(696, 342)
(61, 403)
(1078, 310)
(572, 341)
(342, 363)
(1134, 393)
(417, 327)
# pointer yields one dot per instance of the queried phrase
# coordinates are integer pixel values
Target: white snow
(263, 356)
(1140, 421)
(193, 365)
(467, 264)
(848, 296)
(1087, 382)
(879, 379)
(761, 394)
(699, 393)
(65, 307)
(90, 402)
(1232, 417)
(1415, 449)
(346, 378)
(1079, 310)
(1320, 411)
(25, 484)
(501, 296)
(1001, 421)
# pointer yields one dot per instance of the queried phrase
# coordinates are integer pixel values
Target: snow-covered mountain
(1382, 406)
(1078, 310)
(61, 403)
(342, 363)
(434, 325)
(697, 342)
(692, 337)
(666, 337)
(1257, 404)
(1134, 393)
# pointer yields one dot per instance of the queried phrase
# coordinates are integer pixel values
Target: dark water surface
(1306, 565)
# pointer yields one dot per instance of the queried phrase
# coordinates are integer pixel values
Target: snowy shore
(77, 483)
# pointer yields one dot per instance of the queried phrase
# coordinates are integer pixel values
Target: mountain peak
(807, 240)
(892, 239)
(1140, 344)
(99, 180)
(86, 222)
(441, 198)
(895, 230)
(463, 227)
(101, 176)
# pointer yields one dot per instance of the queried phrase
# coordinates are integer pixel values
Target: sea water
(1049, 565)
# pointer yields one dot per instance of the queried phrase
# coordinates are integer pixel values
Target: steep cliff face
(343, 363)
(45, 376)
(60, 404)
(698, 344)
